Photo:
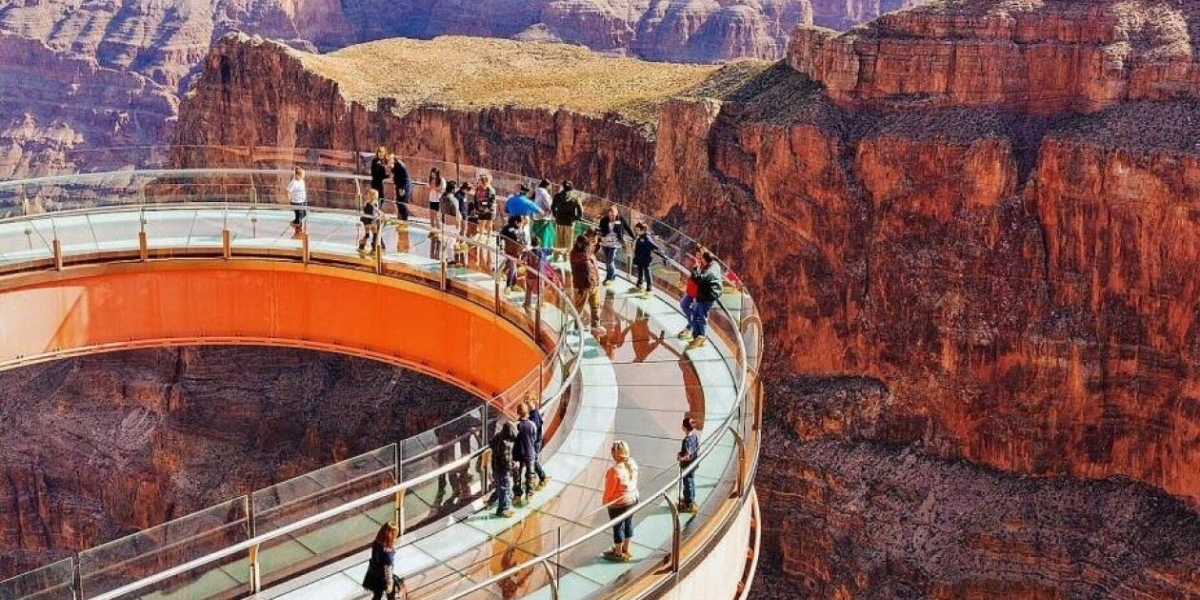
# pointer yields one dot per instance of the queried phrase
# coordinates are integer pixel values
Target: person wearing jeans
(585, 278)
(502, 445)
(613, 231)
(689, 450)
(708, 289)
(620, 496)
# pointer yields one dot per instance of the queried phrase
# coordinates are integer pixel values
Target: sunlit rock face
(1015, 275)
(97, 447)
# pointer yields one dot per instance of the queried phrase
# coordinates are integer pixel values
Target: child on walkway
(689, 449)
(644, 248)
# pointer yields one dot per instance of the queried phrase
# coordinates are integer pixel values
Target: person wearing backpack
(501, 446)
(708, 290)
(567, 211)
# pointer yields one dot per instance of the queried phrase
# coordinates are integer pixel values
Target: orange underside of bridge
(111, 307)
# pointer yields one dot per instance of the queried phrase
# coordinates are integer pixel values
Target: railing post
(56, 246)
(305, 251)
(676, 533)
(739, 490)
(400, 513)
(143, 243)
(255, 571)
(550, 576)
(537, 310)
(226, 243)
(444, 273)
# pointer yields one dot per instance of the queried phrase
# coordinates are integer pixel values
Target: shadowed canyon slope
(79, 78)
(1016, 279)
(102, 446)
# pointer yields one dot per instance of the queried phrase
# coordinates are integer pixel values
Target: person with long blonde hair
(620, 496)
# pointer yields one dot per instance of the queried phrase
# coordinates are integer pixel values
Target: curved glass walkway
(307, 538)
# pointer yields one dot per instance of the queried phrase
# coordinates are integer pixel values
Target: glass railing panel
(120, 562)
(54, 581)
(323, 489)
(349, 531)
(26, 240)
(223, 579)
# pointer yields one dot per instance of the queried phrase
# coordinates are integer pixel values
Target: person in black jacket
(403, 187)
(567, 211)
(370, 221)
(613, 232)
(501, 446)
(709, 284)
(525, 454)
(379, 167)
(644, 248)
(381, 578)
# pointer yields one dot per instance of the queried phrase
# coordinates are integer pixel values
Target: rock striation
(97, 447)
(79, 79)
(1015, 278)
(1041, 57)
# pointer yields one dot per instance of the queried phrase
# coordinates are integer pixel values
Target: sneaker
(615, 556)
(627, 557)
(508, 514)
(688, 507)
(697, 342)
(542, 484)
(686, 334)
(635, 290)
(645, 294)
(520, 503)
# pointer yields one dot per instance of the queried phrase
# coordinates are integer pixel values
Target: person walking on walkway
(381, 578)
(526, 456)
(298, 198)
(613, 232)
(689, 450)
(585, 278)
(403, 183)
(620, 496)
(537, 267)
(708, 290)
(370, 222)
(379, 173)
(567, 211)
(644, 248)
(501, 446)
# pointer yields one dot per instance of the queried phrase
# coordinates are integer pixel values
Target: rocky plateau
(82, 82)
(102, 446)
(972, 230)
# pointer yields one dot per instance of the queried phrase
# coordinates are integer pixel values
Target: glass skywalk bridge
(306, 538)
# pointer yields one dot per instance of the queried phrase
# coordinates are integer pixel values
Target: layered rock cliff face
(98, 447)
(77, 79)
(1017, 277)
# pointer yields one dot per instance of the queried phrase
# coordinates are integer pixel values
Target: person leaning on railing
(403, 185)
(709, 285)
